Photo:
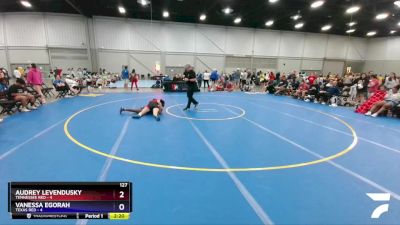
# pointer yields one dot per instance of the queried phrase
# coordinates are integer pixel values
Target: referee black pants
(191, 100)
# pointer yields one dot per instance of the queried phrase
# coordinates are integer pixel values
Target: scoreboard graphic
(70, 200)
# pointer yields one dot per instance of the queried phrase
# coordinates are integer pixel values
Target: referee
(190, 78)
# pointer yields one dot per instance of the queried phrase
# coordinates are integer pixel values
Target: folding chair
(7, 106)
(61, 92)
(47, 91)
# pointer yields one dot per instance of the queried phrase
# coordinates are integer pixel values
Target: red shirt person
(311, 79)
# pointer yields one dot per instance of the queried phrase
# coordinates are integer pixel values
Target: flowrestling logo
(381, 209)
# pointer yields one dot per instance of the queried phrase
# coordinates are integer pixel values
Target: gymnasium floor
(240, 159)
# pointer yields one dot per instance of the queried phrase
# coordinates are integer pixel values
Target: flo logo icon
(380, 197)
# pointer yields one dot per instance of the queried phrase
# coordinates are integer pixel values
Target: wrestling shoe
(157, 118)
(136, 116)
(196, 106)
(369, 113)
(185, 109)
(121, 110)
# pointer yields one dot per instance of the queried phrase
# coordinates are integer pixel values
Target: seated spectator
(229, 86)
(62, 85)
(377, 97)
(282, 86)
(311, 79)
(313, 93)
(74, 85)
(271, 87)
(391, 100)
(17, 92)
(302, 91)
(219, 86)
(3, 82)
(329, 92)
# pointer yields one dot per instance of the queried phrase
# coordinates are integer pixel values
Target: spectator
(124, 76)
(373, 85)
(16, 73)
(302, 90)
(21, 71)
(329, 92)
(282, 86)
(391, 81)
(391, 100)
(214, 76)
(62, 85)
(243, 79)
(229, 86)
(362, 87)
(199, 78)
(134, 77)
(237, 75)
(3, 82)
(377, 97)
(16, 92)
(311, 79)
(36, 80)
(79, 73)
(206, 79)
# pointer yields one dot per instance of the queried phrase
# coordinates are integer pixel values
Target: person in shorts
(391, 100)
(125, 76)
(154, 106)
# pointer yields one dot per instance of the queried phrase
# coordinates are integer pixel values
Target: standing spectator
(362, 87)
(243, 78)
(271, 76)
(236, 76)
(199, 77)
(79, 73)
(124, 76)
(214, 76)
(134, 77)
(16, 73)
(51, 74)
(206, 79)
(373, 85)
(36, 80)
(391, 81)
(58, 71)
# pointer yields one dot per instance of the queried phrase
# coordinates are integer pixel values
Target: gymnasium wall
(47, 39)
(383, 55)
(209, 47)
(103, 42)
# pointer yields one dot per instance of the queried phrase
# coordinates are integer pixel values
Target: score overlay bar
(70, 200)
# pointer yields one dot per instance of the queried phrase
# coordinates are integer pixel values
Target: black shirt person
(190, 78)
